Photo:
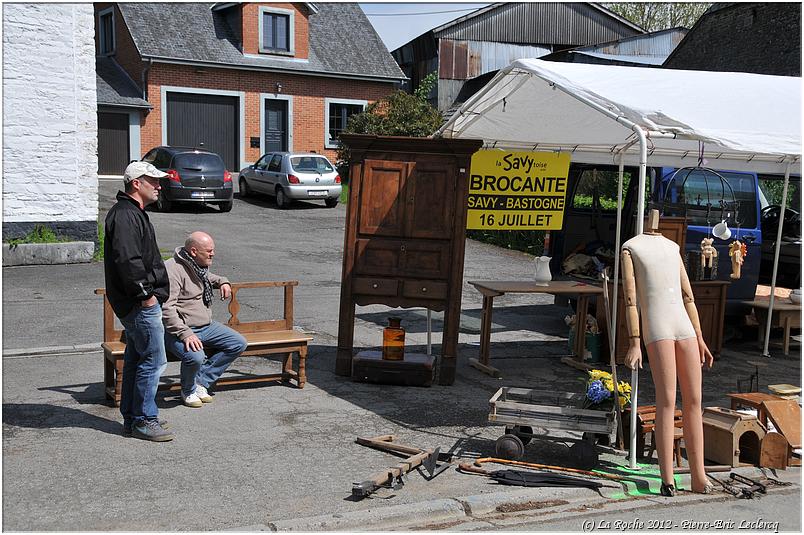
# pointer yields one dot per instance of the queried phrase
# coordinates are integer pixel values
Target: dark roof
(115, 87)
(342, 40)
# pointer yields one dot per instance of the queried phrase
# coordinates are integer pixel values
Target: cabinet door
(430, 192)
(382, 206)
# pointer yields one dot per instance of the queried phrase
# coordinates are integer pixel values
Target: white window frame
(289, 125)
(291, 15)
(329, 143)
(165, 89)
(102, 37)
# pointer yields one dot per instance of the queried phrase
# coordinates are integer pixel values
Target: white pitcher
(542, 275)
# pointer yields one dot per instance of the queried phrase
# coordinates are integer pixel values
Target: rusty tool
(754, 487)
(393, 477)
(482, 460)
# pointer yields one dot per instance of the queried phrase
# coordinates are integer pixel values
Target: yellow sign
(517, 190)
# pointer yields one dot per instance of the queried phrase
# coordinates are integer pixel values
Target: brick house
(239, 78)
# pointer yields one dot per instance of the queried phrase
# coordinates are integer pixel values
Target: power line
(423, 13)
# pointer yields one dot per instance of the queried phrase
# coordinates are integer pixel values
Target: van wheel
(245, 191)
(163, 204)
(282, 200)
(331, 203)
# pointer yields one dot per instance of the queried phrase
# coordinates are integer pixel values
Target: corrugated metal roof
(624, 58)
(660, 43)
(559, 23)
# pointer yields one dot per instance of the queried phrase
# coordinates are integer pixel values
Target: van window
(704, 197)
(598, 189)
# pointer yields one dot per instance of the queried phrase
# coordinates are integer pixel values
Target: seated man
(188, 319)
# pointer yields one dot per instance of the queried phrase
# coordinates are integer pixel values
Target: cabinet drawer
(708, 292)
(370, 286)
(424, 289)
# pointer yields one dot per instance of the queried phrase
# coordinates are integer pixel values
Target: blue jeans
(195, 367)
(143, 362)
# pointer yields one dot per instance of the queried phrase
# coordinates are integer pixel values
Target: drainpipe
(144, 79)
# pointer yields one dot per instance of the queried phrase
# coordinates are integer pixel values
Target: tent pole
(640, 216)
(776, 261)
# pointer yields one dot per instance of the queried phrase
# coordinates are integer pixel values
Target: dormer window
(106, 32)
(276, 31)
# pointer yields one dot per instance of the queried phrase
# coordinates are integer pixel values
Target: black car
(194, 175)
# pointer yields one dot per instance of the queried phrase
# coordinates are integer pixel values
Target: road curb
(52, 350)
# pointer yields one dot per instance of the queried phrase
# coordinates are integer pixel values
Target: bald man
(189, 327)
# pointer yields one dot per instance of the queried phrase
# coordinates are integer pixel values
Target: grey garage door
(209, 121)
(113, 155)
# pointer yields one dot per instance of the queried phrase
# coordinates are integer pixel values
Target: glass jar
(393, 340)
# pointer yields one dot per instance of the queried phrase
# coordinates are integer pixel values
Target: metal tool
(734, 491)
(753, 486)
(393, 477)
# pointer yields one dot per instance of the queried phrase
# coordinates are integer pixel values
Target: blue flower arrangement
(597, 392)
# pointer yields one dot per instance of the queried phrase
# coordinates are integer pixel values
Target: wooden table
(492, 289)
(785, 314)
(753, 400)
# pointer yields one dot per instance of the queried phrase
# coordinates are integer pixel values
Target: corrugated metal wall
(558, 23)
(661, 44)
(461, 60)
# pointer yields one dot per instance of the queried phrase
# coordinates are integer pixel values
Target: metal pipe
(776, 260)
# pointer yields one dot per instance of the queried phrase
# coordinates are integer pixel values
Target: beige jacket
(185, 306)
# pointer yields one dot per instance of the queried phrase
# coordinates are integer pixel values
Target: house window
(276, 31)
(106, 31)
(338, 113)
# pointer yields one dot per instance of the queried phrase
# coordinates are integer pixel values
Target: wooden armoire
(405, 233)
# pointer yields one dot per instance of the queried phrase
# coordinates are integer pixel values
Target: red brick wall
(251, 28)
(308, 94)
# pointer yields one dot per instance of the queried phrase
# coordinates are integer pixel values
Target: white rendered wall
(50, 122)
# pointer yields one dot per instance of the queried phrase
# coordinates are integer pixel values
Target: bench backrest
(111, 334)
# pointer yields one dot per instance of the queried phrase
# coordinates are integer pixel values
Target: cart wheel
(584, 453)
(597, 438)
(509, 446)
(524, 432)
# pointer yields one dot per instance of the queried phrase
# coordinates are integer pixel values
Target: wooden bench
(263, 338)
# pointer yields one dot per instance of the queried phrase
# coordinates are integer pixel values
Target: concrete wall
(50, 161)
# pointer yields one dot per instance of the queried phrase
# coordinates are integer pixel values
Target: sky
(399, 23)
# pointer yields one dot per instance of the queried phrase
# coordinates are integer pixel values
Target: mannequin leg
(662, 358)
(688, 364)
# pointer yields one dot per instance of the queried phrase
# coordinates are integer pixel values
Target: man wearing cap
(136, 286)
(189, 328)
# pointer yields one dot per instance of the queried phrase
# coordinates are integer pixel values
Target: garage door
(113, 155)
(209, 121)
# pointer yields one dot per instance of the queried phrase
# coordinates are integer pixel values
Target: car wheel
(282, 200)
(245, 191)
(331, 203)
(163, 204)
(226, 206)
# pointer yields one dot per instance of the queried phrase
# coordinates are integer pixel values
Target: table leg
(485, 329)
(580, 326)
(786, 324)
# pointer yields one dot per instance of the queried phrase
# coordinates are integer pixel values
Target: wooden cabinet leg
(346, 332)
(118, 382)
(302, 366)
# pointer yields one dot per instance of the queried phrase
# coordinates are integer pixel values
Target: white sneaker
(203, 395)
(192, 400)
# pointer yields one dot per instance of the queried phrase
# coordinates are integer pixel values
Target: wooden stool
(678, 436)
(646, 418)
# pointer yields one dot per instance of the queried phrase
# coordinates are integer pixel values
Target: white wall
(50, 145)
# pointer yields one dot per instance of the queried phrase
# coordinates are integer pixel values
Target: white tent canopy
(741, 121)
(613, 115)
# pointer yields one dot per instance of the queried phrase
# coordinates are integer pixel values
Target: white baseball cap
(138, 169)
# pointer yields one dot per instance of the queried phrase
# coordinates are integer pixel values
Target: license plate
(202, 194)
(316, 193)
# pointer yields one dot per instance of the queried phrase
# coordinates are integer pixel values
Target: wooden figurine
(737, 252)
(708, 253)
(654, 274)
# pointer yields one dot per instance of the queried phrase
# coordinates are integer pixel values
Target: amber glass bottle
(393, 340)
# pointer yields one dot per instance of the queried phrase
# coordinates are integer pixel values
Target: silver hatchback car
(291, 176)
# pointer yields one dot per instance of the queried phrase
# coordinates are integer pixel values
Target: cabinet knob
(424, 289)
(375, 285)
(402, 247)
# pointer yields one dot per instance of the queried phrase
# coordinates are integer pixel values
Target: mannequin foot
(667, 490)
(708, 488)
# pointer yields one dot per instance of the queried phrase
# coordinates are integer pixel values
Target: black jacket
(131, 260)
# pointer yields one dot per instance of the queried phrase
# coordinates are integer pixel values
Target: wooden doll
(655, 279)
(737, 252)
(708, 253)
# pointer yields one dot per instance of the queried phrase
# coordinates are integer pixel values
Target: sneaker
(203, 395)
(127, 427)
(151, 430)
(192, 400)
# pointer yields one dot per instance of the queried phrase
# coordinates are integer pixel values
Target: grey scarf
(201, 272)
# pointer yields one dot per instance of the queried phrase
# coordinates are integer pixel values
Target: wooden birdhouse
(730, 437)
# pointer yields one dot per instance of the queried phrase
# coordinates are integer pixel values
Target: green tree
(398, 114)
(654, 16)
